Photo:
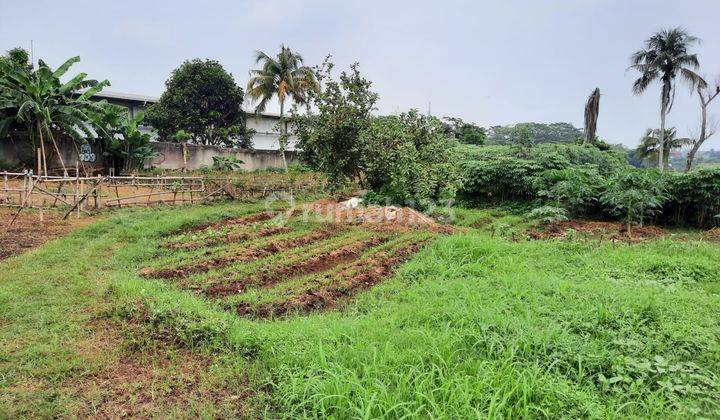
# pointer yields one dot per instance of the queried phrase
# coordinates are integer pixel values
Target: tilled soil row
(230, 238)
(317, 264)
(234, 221)
(242, 256)
(349, 282)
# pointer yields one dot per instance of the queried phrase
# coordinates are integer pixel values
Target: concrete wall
(170, 156)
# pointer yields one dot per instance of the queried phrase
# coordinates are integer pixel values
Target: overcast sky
(490, 62)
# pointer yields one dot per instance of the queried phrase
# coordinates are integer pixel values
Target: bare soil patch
(151, 379)
(597, 229)
(245, 255)
(387, 216)
(28, 232)
(317, 264)
(359, 276)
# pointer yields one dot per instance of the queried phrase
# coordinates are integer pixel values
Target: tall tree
(48, 107)
(649, 148)
(707, 94)
(202, 100)
(665, 55)
(592, 109)
(284, 76)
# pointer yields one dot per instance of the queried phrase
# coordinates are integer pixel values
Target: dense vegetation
(588, 182)
(406, 159)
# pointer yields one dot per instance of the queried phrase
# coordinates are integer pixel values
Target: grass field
(129, 315)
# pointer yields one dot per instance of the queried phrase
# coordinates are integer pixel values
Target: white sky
(491, 62)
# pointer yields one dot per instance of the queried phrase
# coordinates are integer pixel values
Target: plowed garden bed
(269, 265)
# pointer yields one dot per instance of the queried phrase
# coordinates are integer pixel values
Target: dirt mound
(596, 229)
(373, 215)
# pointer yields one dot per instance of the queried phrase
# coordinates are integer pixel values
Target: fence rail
(84, 195)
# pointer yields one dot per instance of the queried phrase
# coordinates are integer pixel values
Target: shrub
(693, 197)
(227, 163)
(408, 159)
(547, 214)
(634, 195)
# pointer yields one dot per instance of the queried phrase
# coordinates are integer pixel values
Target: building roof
(126, 97)
(131, 97)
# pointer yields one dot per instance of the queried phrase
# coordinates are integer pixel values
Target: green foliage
(541, 133)
(694, 197)
(634, 195)
(548, 214)
(330, 139)
(464, 132)
(202, 100)
(124, 146)
(522, 139)
(498, 173)
(45, 105)
(229, 163)
(575, 188)
(409, 159)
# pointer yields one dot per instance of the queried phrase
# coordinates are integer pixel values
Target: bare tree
(592, 110)
(707, 94)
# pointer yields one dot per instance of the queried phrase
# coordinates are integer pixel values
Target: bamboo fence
(83, 195)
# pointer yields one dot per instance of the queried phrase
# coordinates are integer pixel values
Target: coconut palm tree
(284, 76)
(47, 106)
(665, 55)
(649, 148)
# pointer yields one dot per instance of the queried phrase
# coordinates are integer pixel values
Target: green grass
(472, 326)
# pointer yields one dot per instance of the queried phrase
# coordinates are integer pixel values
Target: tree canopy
(203, 100)
(560, 132)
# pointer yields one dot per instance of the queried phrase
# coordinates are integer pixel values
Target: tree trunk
(663, 113)
(283, 135)
(701, 139)
(42, 149)
(703, 127)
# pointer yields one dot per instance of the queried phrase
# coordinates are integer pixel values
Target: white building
(265, 124)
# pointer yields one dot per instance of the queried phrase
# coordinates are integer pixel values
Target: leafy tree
(283, 76)
(464, 132)
(408, 159)
(522, 138)
(541, 133)
(48, 107)
(330, 138)
(707, 94)
(665, 55)
(649, 148)
(202, 100)
(634, 195)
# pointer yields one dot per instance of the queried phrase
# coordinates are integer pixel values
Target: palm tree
(649, 148)
(284, 76)
(47, 106)
(666, 54)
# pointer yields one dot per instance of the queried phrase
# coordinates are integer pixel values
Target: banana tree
(47, 106)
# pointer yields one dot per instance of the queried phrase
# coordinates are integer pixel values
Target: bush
(548, 214)
(634, 195)
(408, 159)
(693, 198)
(227, 163)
